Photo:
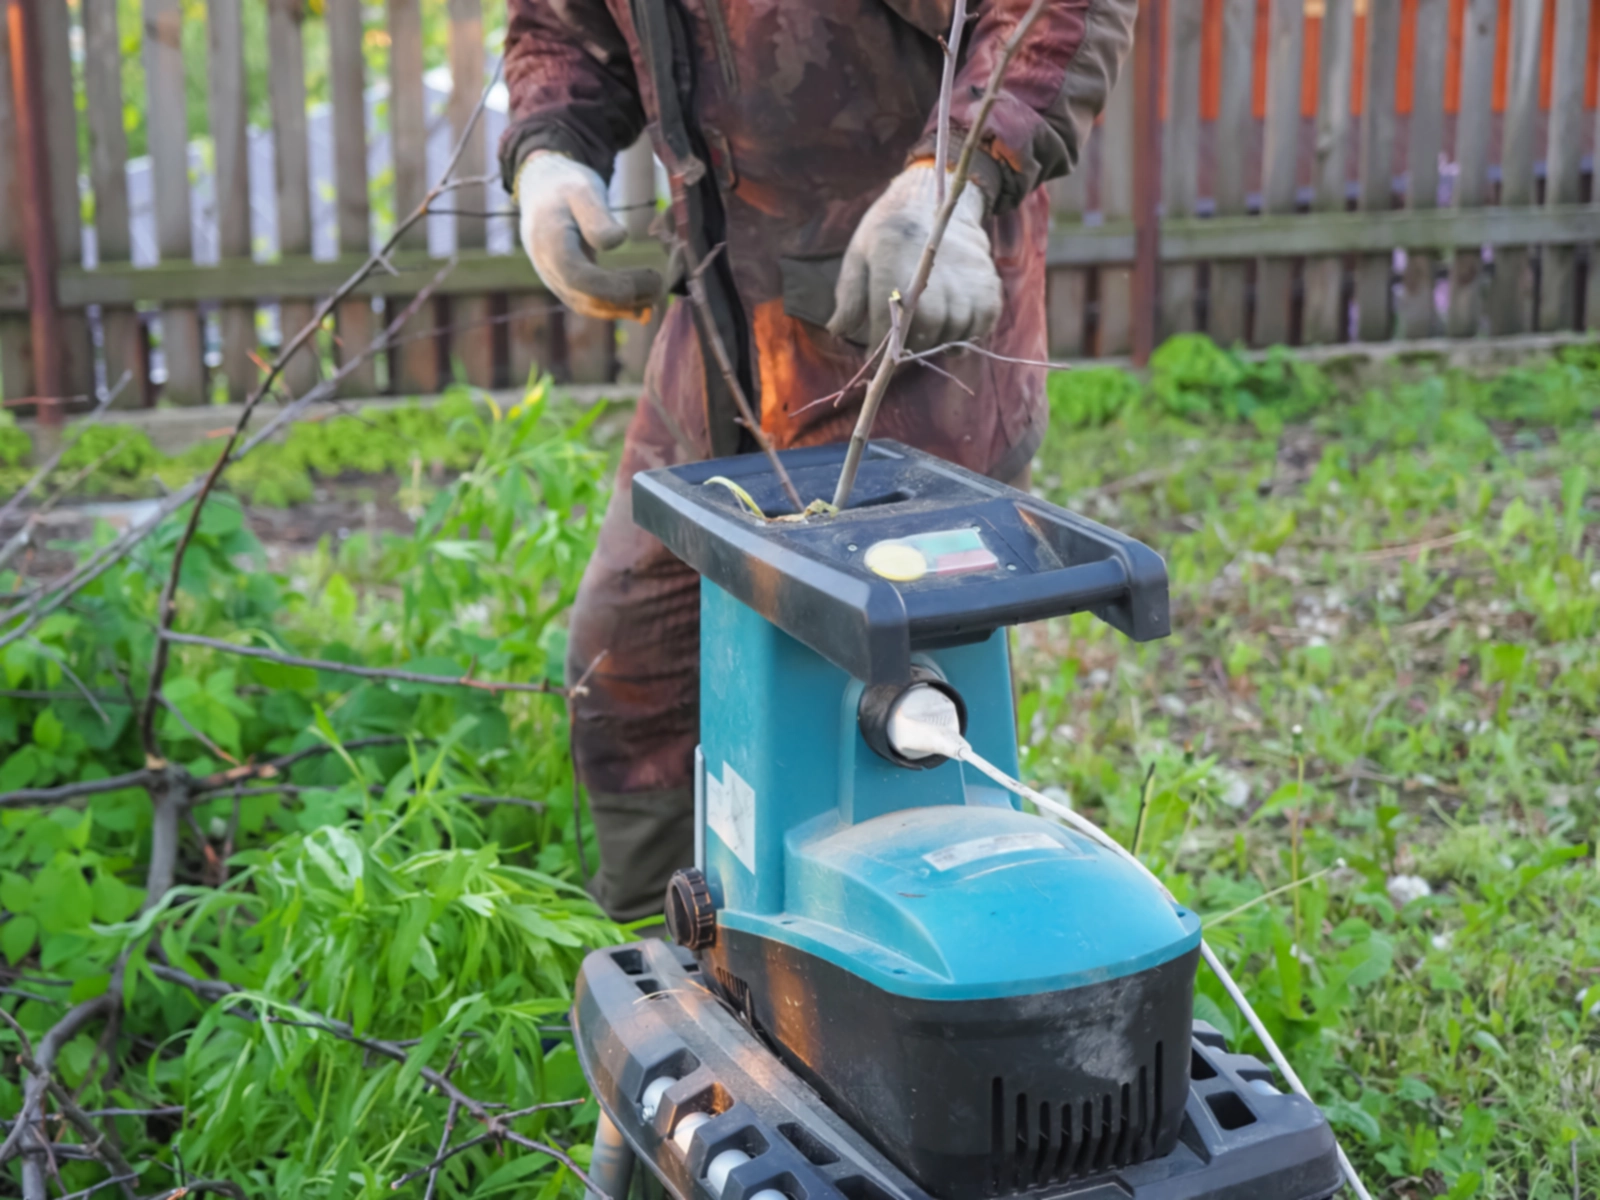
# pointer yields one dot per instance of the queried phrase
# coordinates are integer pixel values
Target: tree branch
(44, 472)
(708, 323)
(29, 797)
(892, 356)
(212, 990)
(543, 688)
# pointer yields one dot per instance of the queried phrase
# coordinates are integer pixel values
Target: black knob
(691, 916)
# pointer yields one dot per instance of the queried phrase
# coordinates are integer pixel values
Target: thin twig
(98, 1142)
(947, 87)
(195, 733)
(892, 357)
(214, 989)
(36, 604)
(44, 472)
(543, 687)
(166, 609)
(72, 678)
(23, 536)
(697, 294)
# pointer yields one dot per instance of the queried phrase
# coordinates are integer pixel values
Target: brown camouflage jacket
(807, 109)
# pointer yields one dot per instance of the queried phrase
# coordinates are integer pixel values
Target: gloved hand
(963, 297)
(566, 217)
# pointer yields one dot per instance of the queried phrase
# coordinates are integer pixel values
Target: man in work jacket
(799, 137)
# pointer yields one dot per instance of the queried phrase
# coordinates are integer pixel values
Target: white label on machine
(1006, 843)
(731, 814)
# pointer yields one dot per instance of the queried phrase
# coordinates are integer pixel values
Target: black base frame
(642, 1013)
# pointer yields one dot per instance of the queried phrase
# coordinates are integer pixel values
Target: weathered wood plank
(1591, 303)
(1373, 272)
(1324, 316)
(471, 338)
(354, 325)
(591, 348)
(1285, 53)
(414, 365)
(1511, 292)
(1419, 317)
(1067, 288)
(1115, 334)
(108, 176)
(1558, 275)
(533, 331)
(1472, 157)
(1228, 307)
(1080, 246)
(167, 134)
(1180, 185)
(61, 145)
(286, 87)
(16, 353)
(231, 163)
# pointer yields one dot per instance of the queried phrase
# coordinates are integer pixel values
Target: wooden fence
(1332, 170)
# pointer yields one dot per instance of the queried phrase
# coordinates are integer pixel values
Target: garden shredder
(887, 980)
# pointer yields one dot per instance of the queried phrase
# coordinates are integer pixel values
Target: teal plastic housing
(930, 883)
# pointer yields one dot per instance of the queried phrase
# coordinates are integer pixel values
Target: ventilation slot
(858, 1187)
(631, 961)
(649, 987)
(1033, 1143)
(1199, 1068)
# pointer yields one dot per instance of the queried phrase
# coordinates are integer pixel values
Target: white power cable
(919, 727)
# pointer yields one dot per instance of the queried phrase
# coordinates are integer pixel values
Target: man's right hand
(566, 217)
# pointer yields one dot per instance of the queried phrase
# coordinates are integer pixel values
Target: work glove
(566, 217)
(963, 297)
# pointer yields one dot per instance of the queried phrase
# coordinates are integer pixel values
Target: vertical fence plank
(1181, 156)
(167, 133)
(472, 337)
(1591, 302)
(1280, 153)
(531, 330)
(1324, 318)
(16, 358)
(1067, 288)
(1558, 284)
(1227, 310)
(1116, 204)
(286, 86)
(415, 361)
(353, 321)
(1377, 163)
(108, 175)
(591, 348)
(231, 177)
(1418, 316)
(61, 147)
(1473, 117)
(1511, 292)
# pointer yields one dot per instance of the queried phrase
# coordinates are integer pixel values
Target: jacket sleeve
(571, 85)
(1055, 87)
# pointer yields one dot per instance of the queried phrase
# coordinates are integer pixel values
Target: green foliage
(362, 884)
(1385, 613)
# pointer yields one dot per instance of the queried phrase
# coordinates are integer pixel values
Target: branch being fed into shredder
(924, 722)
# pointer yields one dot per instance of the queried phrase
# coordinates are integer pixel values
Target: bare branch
(95, 1187)
(30, 797)
(892, 357)
(935, 351)
(23, 536)
(49, 1046)
(708, 323)
(947, 87)
(543, 688)
(214, 989)
(44, 472)
(195, 733)
(97, 1143)
(59, 592)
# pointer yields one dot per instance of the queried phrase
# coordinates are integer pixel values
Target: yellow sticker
(896, 561)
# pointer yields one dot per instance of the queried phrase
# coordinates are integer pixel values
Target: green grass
(1383, 684)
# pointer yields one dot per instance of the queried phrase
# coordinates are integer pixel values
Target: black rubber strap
(697, 203)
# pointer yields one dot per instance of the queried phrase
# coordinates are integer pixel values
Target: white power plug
(924, 722)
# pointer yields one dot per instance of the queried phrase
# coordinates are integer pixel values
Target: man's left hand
(963, 297)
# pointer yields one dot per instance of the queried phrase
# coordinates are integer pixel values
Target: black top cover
(929, 554)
